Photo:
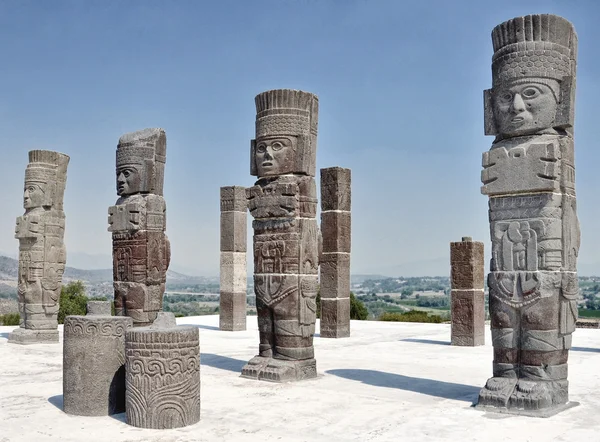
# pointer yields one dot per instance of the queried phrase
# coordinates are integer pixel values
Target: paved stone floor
(388, 382)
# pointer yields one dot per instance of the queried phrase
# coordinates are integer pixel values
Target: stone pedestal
(29, 336)
(468, 305)
(335, 258)
(163, 376)
(94, 363)
(232, 304)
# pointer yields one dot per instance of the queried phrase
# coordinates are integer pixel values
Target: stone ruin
(42, 253)
(529, 176)
(287, 238)
(233, 287)
(467, 297)
(141, 249)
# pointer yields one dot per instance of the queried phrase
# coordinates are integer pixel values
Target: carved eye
(126, 173)
(506, 97)
(530, 92)
(261, 148)
(31, 189)
(277, 145)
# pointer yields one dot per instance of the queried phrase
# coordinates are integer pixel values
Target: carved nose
(518, 104)
(268, 155)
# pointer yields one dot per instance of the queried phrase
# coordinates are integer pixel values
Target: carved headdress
(146, 148)
(288, 112)
(49, 169)
(537, 47)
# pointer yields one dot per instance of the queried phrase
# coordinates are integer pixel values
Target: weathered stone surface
(335, 275)
(336, 227)
(102, 308)
(529, 174)
(468, 317)
(335, 317)
(42, 253)
(467, 265)
(286, 235)
(336, 189)
(233, 232)
(162, 377)
(233, 199)
(94, 364)
(233, 272)
(232, 311)
(141, 250)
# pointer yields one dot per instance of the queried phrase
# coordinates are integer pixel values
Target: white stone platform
(388, 382)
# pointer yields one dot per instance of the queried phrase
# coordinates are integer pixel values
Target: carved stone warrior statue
(529, 175)
(141, 250)
(42, 253)
(287, 238)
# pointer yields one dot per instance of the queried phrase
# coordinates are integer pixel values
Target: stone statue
(529, 175)
(141, 250)
(287, 238)
(42, 253)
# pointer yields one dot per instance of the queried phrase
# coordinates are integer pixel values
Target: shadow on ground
(57, 401)
(588, 349)
(207, 327)
(426, 341)
(222, 362)
(447, 390)
(4, 335)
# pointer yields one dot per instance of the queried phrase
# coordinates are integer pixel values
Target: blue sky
(400, 86)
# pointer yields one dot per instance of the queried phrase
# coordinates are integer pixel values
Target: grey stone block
(232, 311)
(94, 364)
(468, 317)
(335, 318)
(467, 266)
(335, 275)
(233, 232)
(27, 336)
(336, 189)
(336, 228)
(233, 199)
(162, 377)
(101, 308)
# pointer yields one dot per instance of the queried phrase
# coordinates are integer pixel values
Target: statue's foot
(255, 366)
(537, 395)
(280, 370)
(27, 336)
(497, 392)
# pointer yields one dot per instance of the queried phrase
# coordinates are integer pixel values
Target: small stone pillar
(468, 305)
(93, 362)
(232, 304)
(335, 259)
(163, 374)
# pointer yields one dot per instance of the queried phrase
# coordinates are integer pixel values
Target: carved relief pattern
(163, 377)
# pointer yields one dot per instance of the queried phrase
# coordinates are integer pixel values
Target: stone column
(529, 177)
(94, 361)
(335, 258)
(232, 303)
(468, 304)
(283, 202)
(162, 374)
(42, 252)
(141, 249)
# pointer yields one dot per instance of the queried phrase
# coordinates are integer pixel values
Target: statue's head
(45, 179)
(286, 133)
(140, 162)
(533, 68)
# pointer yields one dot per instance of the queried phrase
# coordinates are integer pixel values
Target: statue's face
(523, 108)
(33, 195)
(129, 180)
(274, 155)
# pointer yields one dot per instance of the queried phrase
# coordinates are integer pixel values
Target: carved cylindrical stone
(141, 249)
(335, 259)
(93, 364)
(232, 305)
(529, 176)
(103, 308)
(467, 298)
(42, 252)
(163, 377)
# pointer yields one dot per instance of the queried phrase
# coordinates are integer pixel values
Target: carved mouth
(517, 120)
(267, 163)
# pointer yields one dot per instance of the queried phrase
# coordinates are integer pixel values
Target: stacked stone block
(232, 305)
(468, 304)
(162, 374)
(94, 361)
(335, 257)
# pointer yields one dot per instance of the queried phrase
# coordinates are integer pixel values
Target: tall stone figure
(141, 250)
(529, 175)
(42, 253)
(287, 238)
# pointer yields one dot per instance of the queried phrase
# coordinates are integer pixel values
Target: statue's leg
(543, 357)
(257, 364)
(505, 339)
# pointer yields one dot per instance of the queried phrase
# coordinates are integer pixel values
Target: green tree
(358, 310)
(72, 300)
